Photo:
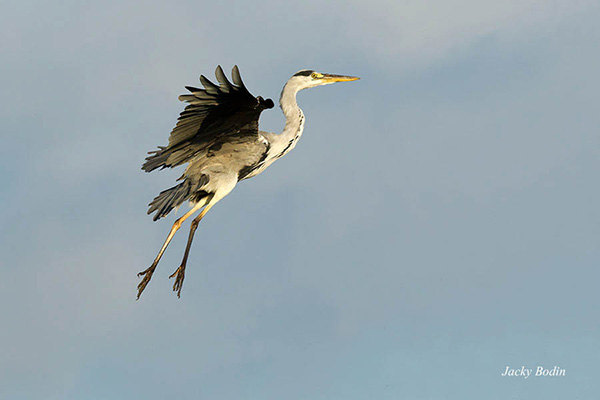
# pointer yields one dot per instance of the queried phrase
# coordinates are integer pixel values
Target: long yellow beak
(338, 78)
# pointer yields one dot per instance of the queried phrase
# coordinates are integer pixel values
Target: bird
(217, 136)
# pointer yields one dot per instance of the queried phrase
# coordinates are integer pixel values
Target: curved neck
(294, 120)
(287, 100)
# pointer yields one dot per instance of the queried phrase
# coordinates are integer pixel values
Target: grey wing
(240, 155)
(214, 115)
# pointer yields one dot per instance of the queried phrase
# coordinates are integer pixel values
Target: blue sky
(437, 222)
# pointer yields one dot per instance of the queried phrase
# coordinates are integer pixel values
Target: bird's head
(308, 78)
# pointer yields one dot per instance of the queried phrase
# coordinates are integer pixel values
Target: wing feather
(215, 113)
(237, 79)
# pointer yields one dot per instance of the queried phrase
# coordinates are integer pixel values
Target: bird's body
(217, 136)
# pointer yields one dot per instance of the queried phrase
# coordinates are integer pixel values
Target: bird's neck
(294, 121)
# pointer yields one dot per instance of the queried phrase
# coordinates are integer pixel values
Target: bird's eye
(314, 75)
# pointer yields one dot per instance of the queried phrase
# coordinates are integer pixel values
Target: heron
(217, 136)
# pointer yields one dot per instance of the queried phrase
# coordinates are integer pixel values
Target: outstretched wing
(214, 114)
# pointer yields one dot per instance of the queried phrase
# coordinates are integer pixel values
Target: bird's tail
(168, 199)
(172, 198)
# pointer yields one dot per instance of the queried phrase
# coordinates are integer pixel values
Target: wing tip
(237, 78)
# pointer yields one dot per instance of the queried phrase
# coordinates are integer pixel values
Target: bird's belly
(231, 159)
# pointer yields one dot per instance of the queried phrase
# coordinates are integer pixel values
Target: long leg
(147, 274)
(180, 272)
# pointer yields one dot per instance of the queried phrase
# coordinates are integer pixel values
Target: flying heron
(217, 136)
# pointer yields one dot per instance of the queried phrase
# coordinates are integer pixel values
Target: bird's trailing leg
(179, 274)
(147, 274)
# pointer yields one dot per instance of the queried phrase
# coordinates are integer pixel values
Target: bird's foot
(147, 274)
(179, 275)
